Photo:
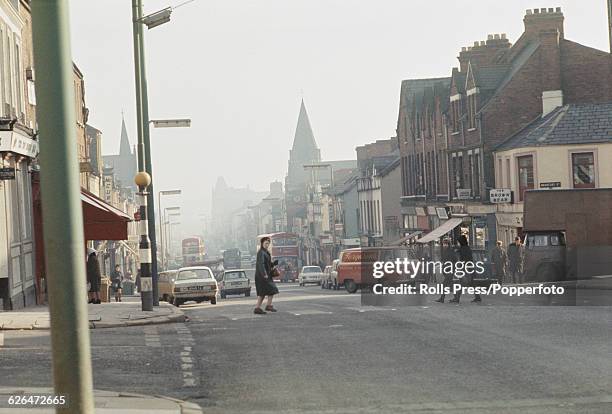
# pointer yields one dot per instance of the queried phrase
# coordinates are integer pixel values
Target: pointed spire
(124, 147)
(304, 140)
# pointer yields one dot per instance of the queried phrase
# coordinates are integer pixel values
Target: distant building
(125, 164)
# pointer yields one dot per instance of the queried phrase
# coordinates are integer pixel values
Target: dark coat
(93, 273)
(264, 285)
(516, 254)
(499, 260)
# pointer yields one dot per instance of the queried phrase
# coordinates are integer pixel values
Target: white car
(330, 279)
(195, 283)
(310, 274)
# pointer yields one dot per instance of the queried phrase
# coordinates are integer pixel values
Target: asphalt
(323, 352)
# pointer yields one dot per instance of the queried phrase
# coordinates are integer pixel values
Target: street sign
(552, 184)
(7, 173)
(500, 195)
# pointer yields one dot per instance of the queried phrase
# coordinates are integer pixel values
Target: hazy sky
(237, 68)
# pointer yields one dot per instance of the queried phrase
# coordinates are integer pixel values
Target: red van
(356, 267)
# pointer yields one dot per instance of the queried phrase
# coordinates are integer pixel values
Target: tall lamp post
(142, 111)
(159, 206)
(164, 246)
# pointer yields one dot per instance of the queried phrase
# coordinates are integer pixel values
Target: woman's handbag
(275, 272)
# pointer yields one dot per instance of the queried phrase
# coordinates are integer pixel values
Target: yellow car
(165, 285)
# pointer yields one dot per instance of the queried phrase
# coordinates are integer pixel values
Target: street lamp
(161, 230)
(159, 195)
(142, 112)
(171, 123)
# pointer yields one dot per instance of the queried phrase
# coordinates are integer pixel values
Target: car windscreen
(234, 276)
(312, 269)
(194, 274)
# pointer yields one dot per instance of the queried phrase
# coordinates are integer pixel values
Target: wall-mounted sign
(553, 184)
(7, 173)
(500, 195)
(420, 211)
(464, 193)
(11, 141)
(442, 213)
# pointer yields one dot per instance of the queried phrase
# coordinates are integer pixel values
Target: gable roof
(566, 125)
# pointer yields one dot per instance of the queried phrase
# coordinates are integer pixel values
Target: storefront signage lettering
(553, 184)
(464, 193)
(500, 195)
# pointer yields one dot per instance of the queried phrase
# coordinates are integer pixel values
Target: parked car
(310, 274)
(195, 283)
(165, 285)
(234, 282)
(330, 280)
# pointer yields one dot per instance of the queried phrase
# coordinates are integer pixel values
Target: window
(525, 175)
(476, 175)
(472, 111)
(583, 170)
(508, 176)
(500, 174)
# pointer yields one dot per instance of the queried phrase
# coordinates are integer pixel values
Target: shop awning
(101, 220)
(438, 232)
(406, 238)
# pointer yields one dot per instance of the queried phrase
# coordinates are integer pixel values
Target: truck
(568, 234)
(232, 259)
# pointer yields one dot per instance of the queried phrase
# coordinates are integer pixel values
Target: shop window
(583, 170)
(525, 175)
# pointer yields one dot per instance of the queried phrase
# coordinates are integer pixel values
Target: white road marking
(187, 366)
(152, 338)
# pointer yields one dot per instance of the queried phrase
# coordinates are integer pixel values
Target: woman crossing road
(264, 284)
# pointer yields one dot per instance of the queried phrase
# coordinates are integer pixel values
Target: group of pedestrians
(94, 279)
(508, 263)
(501, 260)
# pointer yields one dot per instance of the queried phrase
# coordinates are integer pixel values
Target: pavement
(104, 402)
(324, 352)
(104, 315)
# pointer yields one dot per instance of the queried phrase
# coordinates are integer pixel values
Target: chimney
(537, 20)
(483, 52)
(550, 69)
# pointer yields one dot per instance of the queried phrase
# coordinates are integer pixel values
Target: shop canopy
(406, 238)
(101, 220)
(438, 232)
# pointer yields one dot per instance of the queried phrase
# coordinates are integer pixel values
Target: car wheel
(213, 301)
(351, 287)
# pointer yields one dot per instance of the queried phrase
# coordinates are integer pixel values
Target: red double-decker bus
(193, 250)
(284, 247)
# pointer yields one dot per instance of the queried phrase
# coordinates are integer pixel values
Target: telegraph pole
(62, 211)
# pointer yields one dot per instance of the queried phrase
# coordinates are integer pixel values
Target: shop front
(102, 224)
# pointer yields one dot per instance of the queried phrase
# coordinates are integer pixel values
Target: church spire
(124, 148)
(304, 140)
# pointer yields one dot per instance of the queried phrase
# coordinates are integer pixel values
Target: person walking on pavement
(465, 255)
(499, 261)
(94, 277)
(516, 254)
(264, 285)
(447, 254)
(117, 280)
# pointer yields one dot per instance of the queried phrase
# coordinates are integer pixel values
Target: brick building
(498, 89)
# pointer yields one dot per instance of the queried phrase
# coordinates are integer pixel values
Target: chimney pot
(551, 10)
(490, 37)
(536, 11)
(476, 43)
(503, 35)
(528, 11)
(496, 36)
(463, 49)
(558, 9)
(469, 47)
(543, 10)
(483, 43)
